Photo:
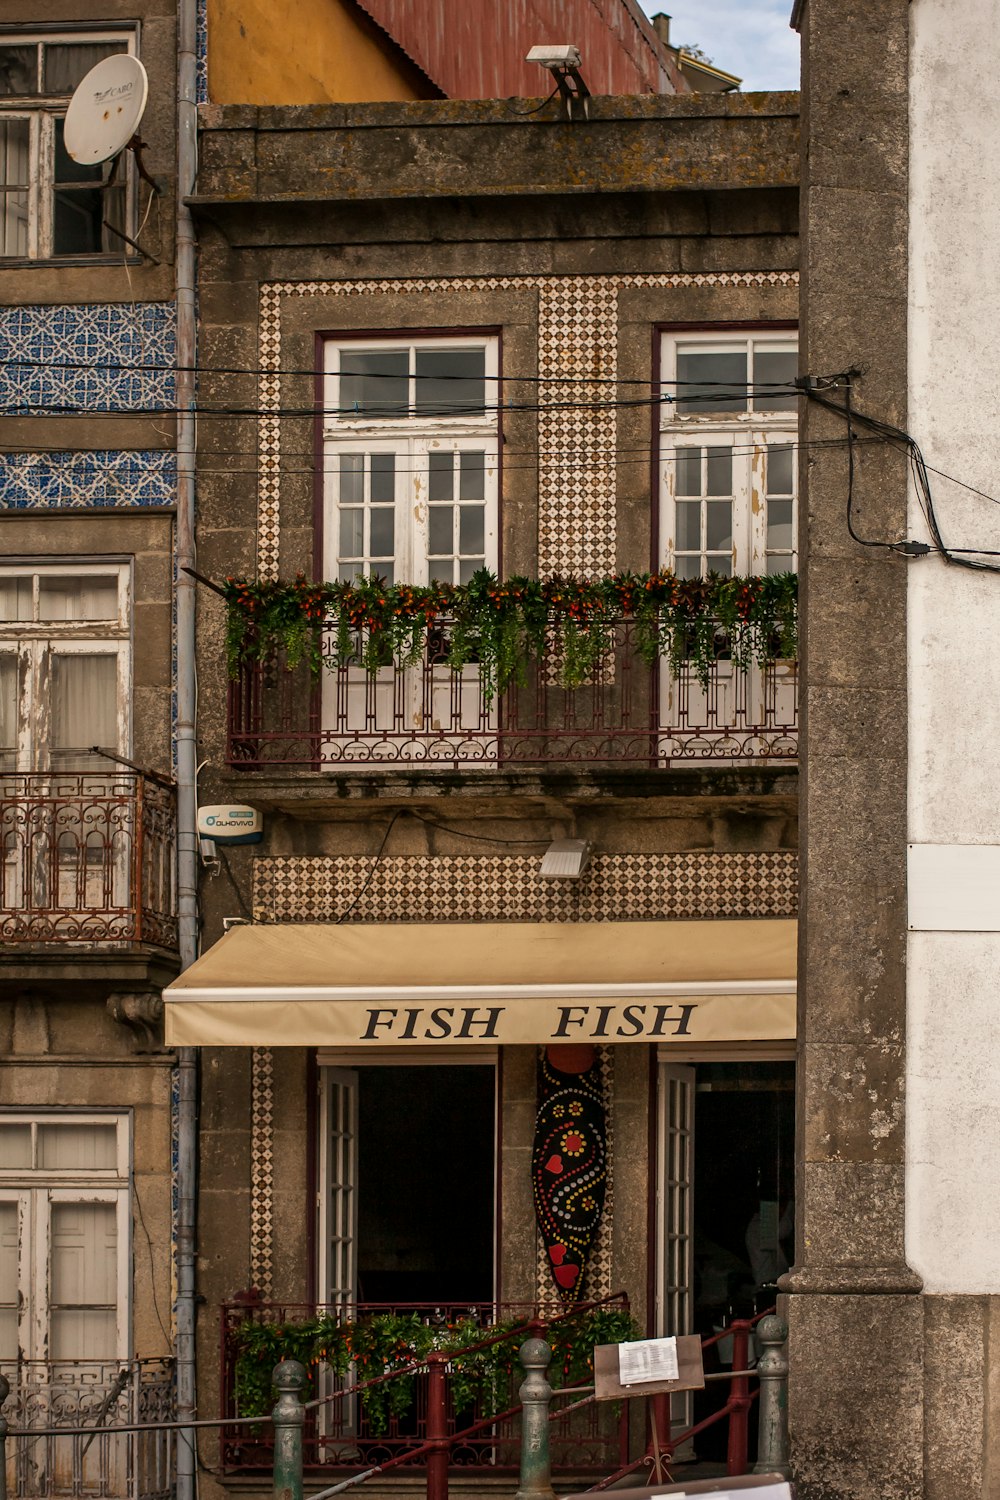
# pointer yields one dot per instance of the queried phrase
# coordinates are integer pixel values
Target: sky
(751, 38)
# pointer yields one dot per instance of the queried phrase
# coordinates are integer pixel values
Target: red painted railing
(432, 1432)
(87, 857)
(429, 714)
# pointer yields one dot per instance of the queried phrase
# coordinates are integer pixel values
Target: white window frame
(412, 439)
(36, 642)
(36, 1190)
(749, 433)
(42, 111)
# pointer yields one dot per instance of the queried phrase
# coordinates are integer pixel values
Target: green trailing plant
(385, 1342)
(502, 624)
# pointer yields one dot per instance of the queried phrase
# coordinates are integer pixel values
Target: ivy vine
(386, 1342)
(502, 624)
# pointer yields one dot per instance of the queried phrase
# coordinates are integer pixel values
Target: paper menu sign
(646, 1360)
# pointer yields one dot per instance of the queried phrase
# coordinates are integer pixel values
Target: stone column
(855, 1345)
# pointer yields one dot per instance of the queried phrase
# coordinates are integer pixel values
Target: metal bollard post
(535, 1394)
(288, 1416)
(437, 1426)
(772, 1368)
(4, 1393)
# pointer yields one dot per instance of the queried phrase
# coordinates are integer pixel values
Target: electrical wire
(896, 437)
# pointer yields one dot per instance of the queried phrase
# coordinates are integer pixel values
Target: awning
(499, 983)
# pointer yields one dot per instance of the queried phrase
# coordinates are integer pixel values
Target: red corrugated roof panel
(475, 49)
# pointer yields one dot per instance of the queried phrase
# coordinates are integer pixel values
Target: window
(727, 454)
(64, 1243)
(64, 665)
(411, 450)
(53, 206)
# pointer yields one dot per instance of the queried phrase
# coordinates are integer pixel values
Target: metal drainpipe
(187, 840)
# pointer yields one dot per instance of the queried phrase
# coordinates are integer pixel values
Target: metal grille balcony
(102, 1465)
(431, 714)
(87, 857)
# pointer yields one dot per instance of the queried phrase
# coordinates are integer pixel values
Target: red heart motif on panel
(566, 1275)
(554, 1165)
(557, 1254)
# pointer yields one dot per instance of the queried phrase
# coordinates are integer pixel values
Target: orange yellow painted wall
(300, 52)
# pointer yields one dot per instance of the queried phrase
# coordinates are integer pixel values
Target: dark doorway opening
(744, 1155)
(426, 1184)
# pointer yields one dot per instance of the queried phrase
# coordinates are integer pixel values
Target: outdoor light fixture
(564, 65)
(565, 859)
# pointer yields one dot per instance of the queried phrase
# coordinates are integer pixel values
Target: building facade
(464, 350)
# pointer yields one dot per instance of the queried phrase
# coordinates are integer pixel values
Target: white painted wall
(953, 984)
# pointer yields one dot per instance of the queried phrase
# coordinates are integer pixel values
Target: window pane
(8, 1281)
(85, 1147)
(83, 1285)
(15, 1146)
(382, 527)
(373, 382)
(773, 367)
(722, 563)
(467, 567)
(84, 705)
(19, 69)
(8, 710)
(440, 541)
(779, 471)
(703, 376)
(688, 526)
(441, 476)
(472, 476)
(14, 174)
(688, 567)
(77, 221)
(66, 63)
(720, 471)
(779, 525)
(77, 598)
(450, 380)
(383, 476)
(688, 463)
(352, 478)
(719, 525)
(352, 533)
(472, 530)
(15, 598)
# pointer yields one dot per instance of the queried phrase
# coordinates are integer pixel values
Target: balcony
(387, 1424)
(626, 712)
(87, 858)
(49, 1394)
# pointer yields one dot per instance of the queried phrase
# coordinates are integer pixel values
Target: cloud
(751, 38)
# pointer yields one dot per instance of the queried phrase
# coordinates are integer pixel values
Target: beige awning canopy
(499, 983)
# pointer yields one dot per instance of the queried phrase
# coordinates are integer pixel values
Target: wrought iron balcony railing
(628, 712)
(101, 1465)
(87, 857)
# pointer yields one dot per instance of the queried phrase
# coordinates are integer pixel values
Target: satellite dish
(105, 110)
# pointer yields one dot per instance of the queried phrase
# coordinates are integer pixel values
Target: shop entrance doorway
(725, 1207)
(408, 1184)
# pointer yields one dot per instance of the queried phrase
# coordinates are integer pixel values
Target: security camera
(555, 57)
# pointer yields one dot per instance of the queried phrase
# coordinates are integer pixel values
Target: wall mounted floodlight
(564, 65)
(565, 859)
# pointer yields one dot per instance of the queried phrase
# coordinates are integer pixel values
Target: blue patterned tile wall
(201, 47)
(86, 480)
(124, 344)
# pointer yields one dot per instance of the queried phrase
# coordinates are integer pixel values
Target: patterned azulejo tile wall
(102, 356)
(87, 480)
